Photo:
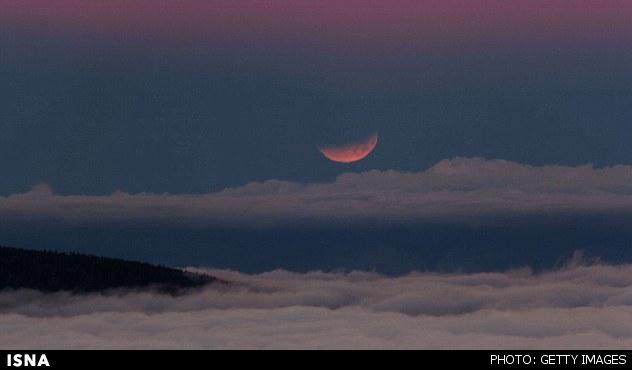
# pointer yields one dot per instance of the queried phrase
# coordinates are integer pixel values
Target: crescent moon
(351, 152)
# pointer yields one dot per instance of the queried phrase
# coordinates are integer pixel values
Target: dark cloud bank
(576, 306)
(457, 189)
(459, 215)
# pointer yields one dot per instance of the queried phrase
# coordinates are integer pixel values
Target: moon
(351, 152)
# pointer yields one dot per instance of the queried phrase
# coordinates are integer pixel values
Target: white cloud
(458, 189)
(575, 307)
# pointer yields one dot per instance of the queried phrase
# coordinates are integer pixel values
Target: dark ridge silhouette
(53, 271)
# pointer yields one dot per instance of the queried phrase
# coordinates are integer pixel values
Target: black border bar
(487, 359)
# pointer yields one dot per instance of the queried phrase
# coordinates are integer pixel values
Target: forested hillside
(54, 271)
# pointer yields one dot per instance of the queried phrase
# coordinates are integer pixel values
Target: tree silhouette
(53, 271)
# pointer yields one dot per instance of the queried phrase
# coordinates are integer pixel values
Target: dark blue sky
(195, 97)
(94, 114)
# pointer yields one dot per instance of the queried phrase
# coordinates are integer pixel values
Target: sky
(187, 133)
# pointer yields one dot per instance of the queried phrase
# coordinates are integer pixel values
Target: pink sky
(417, 25)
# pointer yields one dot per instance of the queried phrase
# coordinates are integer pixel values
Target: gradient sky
(195, 96)
(192, 97)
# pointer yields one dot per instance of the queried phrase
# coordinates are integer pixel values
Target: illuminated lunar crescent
(350, 152)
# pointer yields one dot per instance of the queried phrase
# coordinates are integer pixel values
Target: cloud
(457, 189)
(574, 307)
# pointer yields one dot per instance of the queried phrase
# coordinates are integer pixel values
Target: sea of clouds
(577, 306)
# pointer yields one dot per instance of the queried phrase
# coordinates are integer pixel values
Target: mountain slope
(52, 271)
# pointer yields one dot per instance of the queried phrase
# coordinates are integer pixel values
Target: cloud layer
(575, 307)
(457, 189)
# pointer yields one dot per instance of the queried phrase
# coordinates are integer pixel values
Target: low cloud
(457, 189)
(574, 307)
